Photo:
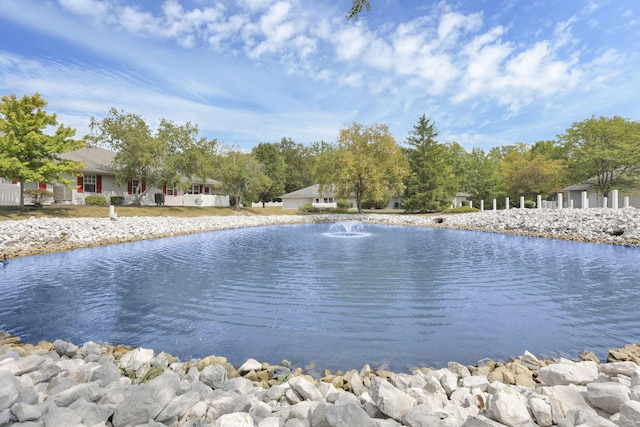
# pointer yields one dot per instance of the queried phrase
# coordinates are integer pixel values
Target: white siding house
(572, 196)
(98, 179)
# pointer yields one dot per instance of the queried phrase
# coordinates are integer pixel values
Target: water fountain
(347, 229)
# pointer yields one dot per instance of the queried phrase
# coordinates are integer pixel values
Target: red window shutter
(144, 186)
(129, 187)
(42, 185)
(80, 184)
(164, 188)
(14, 181)
(200, 188)
(98, 183)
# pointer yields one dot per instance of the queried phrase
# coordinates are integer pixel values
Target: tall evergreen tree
(431, 182)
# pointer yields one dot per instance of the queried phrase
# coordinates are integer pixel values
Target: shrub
(117, 200)
(38, 197)
(96, 201)
(307, 208)
(342, 206)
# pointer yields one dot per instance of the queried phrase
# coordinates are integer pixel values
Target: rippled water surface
(400, 296)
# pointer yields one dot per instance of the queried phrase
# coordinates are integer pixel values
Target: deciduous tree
(274, 167)
(604, 151)
(241, 175)
(28, 153)
(367, 163)
(174, 155)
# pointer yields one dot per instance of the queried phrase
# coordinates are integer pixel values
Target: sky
(486, 72)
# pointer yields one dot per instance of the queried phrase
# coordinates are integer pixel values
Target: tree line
(365, 163)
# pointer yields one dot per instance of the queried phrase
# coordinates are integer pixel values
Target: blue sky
(487, 72)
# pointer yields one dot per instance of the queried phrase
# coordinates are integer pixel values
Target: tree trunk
(21, 194)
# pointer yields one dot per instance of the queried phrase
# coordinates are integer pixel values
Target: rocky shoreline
(62, 384)
(41, 235)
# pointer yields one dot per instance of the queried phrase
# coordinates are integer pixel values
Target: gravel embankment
(40, 235)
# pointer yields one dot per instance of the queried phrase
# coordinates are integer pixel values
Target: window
(170, 191)
(89, 183)
(206, 190)
(195, 189)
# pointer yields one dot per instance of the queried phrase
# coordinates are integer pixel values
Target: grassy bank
(73, 211)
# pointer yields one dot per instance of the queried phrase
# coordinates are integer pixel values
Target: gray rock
(607, 396)
(92, 413)
(213, 375)
(64, 348)
(178, 406)
(136, 358)
(304, 388)
(236, 419)
(347, 415)
(60, 417)
(530, 361)
(6, 417)
(480, 421)
(91, 348)
(569, 373)
(237, 385)
(477, 381)
(510, 408)
(628, 369)
(9, 390)
(25, 412)
(541, 411)
(106, 374)
(144, 402)
(24, 365)
(391, 401)
(45, 372)
(89, 392)
(222, 403)
(459, 369)
(629, 414)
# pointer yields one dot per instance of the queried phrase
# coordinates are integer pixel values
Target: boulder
(10, 389)
(541, 411)
(213, 375)
(607, 396)
(25, 412)
(236, 419)
(569, 372)
(480, 421)
(629, 414)
(250, 365)
(391, 401)
(144, 402)
(304, 388)
(510, 408)
(136, 358)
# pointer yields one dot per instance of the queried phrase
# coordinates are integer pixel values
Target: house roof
(577, 187)
(96, 160)
(308, 192)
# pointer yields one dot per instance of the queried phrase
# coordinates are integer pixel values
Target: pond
(389, 296)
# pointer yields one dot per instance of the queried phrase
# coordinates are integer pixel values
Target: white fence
(10, 196)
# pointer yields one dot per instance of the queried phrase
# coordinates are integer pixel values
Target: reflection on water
(402, 296)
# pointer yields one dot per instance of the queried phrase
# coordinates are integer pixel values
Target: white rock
(569, 373)
(541, 411)
(136, 358)
(630, 414)
(476, 381)
(250, 365)
(391, 401)
(607, 396)
(236, 419)
(305, 388)
(510, 408)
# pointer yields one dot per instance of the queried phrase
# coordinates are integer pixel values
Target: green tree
(27, 153)
(275, 168)
(366, 164)
(529, 173)
(431, 181)
(242, 175)
(175, 155)
(357, 7)
(476, 172)
(604, 151)
(299, 165)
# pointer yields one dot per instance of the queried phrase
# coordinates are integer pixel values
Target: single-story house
(572, 196)
(98, 179)
(460, 199)
(311, 196)
(325, 199)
